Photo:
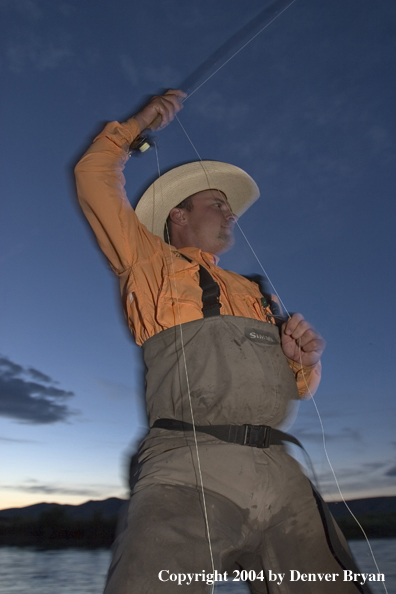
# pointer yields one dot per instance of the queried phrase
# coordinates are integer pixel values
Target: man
(215, 362)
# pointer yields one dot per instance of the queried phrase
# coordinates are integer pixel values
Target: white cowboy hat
(177, 184)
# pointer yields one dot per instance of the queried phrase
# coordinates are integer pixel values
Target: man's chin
(227, 243)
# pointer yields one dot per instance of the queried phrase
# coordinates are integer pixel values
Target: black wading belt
(255, 436)
(261, 436)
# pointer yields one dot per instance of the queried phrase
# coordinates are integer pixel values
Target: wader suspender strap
(265, 290)
(210, 292)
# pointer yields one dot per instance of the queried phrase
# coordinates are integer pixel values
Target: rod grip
(155, 123)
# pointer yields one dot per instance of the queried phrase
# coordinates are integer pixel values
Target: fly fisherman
(208, 338)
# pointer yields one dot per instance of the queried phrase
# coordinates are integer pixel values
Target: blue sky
(307, 109)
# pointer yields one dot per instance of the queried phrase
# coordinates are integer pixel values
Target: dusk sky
(307, 109)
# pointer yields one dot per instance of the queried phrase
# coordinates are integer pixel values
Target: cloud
(31, 401)
(317, 436)
(36, 53)
(12, 368)
(391, 471)
(56, 489)
(12, 440)
(363, 478)
(113, 390)
(38, 375)
(366, 470)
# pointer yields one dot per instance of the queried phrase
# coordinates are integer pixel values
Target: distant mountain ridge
(109, 508)
(363, 507)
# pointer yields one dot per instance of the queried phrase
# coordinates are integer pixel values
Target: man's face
(210, 224)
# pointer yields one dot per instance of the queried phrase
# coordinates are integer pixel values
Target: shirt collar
(197, 254)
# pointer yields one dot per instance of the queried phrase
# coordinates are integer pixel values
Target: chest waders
(262, 510)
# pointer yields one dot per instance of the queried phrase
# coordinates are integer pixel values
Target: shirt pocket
(245, 299)
(180, 296)
(248, 306)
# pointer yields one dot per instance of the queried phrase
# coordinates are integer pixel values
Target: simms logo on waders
(261, 336)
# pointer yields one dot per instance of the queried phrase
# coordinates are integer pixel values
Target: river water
(75, 571)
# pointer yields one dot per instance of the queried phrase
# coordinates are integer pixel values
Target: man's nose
(231, 216)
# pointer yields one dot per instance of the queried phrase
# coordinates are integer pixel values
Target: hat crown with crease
(177, 184)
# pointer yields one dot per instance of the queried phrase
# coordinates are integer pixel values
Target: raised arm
(100, 183)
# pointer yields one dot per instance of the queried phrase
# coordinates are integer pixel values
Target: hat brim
(177, 184)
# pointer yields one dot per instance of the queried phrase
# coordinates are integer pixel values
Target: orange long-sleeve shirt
(159, 287)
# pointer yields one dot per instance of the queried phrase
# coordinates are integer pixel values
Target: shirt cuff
(121, 134)
(307, 377)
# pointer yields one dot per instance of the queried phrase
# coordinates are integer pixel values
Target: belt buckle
(257, 436)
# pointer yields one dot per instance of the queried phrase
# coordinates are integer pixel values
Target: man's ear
(178, 216)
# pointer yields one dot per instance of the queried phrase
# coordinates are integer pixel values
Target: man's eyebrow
(221, 198)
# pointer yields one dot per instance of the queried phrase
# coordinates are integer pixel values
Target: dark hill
(110, 507)
(364, 507)
(107, 508)
(93, 524)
